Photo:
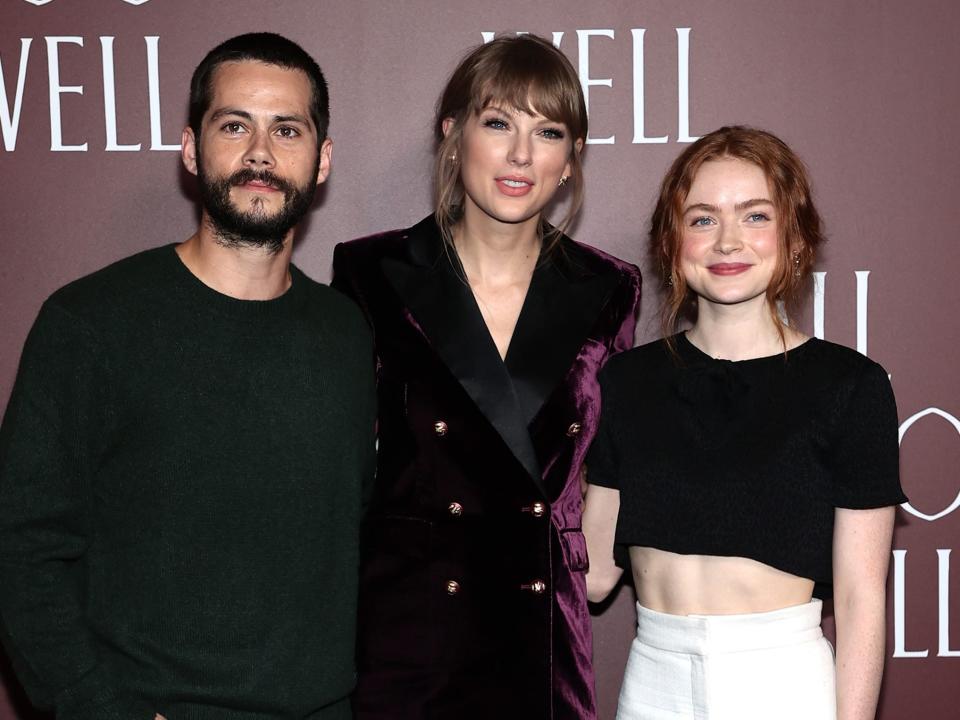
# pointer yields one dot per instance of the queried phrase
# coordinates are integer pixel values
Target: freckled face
(730, 242)
(511, 164)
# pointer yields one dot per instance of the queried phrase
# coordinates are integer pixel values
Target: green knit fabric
(181, 478)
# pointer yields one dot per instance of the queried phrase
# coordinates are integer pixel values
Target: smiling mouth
(729, 268)
(514, 186)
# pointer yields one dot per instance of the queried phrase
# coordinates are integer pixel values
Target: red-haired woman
(490, 327)
(748, 469)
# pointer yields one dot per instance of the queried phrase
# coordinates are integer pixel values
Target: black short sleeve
(866, 457)
(603, 467)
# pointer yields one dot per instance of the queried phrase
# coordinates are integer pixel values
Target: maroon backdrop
(94, 96)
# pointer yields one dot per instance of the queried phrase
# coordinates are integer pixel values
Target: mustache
(266, 177)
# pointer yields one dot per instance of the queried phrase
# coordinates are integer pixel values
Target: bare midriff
(712, 585)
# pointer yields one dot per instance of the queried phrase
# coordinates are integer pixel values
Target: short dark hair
(264, 47)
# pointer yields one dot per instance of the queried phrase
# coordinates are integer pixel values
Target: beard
(255, 227)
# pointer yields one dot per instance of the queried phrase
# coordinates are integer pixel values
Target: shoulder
(588, 258)
(334, 308)
(842, 364)
(363, 252)
(370, 247)
(639, 364)
(113, 285)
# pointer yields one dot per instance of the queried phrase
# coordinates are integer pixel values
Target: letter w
(9, 122)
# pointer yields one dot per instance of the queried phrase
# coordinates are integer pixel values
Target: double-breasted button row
(441, 428)
(537, 587)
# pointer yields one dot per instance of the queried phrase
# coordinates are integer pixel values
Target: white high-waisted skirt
(761, 666)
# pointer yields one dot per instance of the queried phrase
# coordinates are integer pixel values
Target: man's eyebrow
(230, 111)
(223, 112)
(291, 118)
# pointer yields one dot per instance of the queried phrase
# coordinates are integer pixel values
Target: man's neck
(244, 272)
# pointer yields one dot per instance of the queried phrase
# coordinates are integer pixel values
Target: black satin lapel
(558, 314)
(444, 307)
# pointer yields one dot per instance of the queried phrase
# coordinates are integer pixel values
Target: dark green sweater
(180, 491)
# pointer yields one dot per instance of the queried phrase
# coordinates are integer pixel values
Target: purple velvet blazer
(472, 592)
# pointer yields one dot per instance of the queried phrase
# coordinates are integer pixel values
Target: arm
(861, 554)
(600, 510)
(48, 449)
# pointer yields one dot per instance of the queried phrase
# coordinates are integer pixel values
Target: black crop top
(746, 458)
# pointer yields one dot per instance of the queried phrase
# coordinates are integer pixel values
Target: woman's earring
(796, 264)
(669, 280)
(453, 157)
(563, 181)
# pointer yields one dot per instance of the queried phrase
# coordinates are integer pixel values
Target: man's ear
(188, 150)
(326, 156)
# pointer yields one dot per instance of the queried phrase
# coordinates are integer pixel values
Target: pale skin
(497, 239)
(259, 117)
(730, 225)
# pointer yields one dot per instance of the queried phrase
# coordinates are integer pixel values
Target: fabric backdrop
(94, 95)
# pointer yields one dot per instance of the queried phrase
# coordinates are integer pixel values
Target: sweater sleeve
(47, 457)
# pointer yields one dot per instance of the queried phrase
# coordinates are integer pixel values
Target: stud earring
(563, 181)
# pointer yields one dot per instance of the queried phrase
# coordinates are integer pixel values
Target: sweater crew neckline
(202, 295)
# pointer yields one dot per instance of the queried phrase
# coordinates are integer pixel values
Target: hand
(158, 716)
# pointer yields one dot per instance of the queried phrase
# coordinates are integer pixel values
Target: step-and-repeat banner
(94, 95)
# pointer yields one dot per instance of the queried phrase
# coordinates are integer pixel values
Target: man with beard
(183, 456)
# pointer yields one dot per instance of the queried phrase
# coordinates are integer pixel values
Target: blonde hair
(528, 74)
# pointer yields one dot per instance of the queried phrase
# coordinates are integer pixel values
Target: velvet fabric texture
(472, 591)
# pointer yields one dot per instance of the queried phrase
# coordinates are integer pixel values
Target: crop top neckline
(696, 353)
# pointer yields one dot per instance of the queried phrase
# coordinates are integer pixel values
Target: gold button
(453, 587)
(538, 509)
(455, 509)
(440, 428)
(574, 429)
(537, 587)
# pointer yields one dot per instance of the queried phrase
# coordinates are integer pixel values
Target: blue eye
(701, 221)
(495, 123)
(757, 217)
(553, 133)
